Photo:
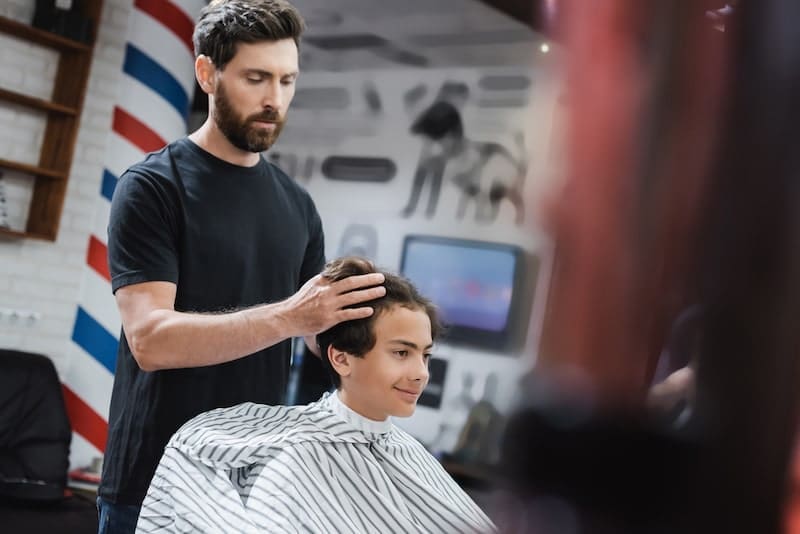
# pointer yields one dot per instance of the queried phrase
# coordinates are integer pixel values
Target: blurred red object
(641, 126)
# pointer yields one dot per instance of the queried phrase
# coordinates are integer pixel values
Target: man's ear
(206, 74)
(340, 361)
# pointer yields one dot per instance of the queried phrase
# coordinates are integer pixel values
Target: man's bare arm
(162, 338)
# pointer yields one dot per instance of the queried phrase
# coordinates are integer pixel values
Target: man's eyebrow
(408, 344)
(266, 73)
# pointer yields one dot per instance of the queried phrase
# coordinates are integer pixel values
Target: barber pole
(152, 106)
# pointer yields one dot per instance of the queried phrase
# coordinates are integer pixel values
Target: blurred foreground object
(682, 188)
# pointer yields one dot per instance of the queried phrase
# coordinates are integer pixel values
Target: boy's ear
(340, 361)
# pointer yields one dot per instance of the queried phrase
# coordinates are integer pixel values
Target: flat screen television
(475, 285)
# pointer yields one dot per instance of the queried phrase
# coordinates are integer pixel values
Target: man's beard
(241, 133)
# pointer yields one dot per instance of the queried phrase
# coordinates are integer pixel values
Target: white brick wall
(43, 277)
(18, 9)
(22, 132)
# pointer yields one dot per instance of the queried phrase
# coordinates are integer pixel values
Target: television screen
(473, 284)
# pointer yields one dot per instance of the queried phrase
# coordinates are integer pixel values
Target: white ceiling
(347, 35)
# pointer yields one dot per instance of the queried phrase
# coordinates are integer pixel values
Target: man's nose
(273, 97)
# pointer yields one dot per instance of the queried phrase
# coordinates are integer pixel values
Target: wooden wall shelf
(63, 111)
(32, 169)
(27, 32)
(36, 103)
(5, 232)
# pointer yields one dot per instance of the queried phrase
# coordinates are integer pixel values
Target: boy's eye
(402, 353)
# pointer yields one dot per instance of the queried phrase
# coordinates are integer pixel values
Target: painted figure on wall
(3, 209)
(439, 125)
(485, 172)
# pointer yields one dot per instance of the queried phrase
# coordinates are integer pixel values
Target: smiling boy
(335, 465)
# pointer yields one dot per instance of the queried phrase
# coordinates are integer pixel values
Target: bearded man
(214, 254)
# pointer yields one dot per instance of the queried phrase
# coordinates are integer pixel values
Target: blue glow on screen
(471, 285)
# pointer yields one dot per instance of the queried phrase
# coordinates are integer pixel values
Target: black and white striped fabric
(318, 468)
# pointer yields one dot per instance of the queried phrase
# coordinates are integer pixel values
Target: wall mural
(372, 98)
(482, 183)
(443, 153)
(3, 207)
(477, 175)
(359, 240)
(300, 169)
(359, 169)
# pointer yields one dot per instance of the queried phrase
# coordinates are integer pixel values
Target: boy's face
(389, 379)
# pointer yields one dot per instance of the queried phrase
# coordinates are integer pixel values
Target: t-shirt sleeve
(142, 232)
(314, 259)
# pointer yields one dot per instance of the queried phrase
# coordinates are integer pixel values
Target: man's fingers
(351, 314)
(362, 295)
(355, 282)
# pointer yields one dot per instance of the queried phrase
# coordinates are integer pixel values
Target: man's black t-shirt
(229, 237)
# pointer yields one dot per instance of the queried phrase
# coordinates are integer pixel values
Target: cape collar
(368, 426)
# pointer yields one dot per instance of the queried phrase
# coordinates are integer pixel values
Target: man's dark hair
(223, 24)
(358, 337)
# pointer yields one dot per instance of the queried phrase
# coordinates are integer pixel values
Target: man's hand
(321, 304)
(162, 338)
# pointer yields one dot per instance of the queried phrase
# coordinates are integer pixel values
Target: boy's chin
(405, 411)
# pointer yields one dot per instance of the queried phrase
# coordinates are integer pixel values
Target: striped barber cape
(318, 468)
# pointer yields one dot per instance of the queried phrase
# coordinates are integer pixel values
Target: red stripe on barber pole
(171, 17)
(136, 131)
(84, 420)
(97, 257)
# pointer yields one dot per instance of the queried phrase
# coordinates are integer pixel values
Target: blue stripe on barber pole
(108, 185)
(95, 340)
(145, 69)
